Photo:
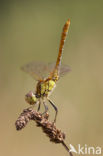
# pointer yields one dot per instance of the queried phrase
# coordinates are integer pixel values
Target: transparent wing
(38, 70)
(64, 69)
(41, 70)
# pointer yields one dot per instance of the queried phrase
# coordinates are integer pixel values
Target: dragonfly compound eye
(30, 98)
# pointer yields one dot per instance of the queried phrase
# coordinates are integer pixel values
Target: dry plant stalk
(42, 121)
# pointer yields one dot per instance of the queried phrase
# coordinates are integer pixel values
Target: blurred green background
(31, 30)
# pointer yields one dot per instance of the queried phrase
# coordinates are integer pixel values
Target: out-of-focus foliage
(31, 30)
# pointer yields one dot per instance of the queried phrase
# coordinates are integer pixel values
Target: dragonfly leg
(39, 107)
(54, 108)
(45, 106)
(39, 104)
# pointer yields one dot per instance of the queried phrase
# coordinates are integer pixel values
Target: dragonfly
(46, 76)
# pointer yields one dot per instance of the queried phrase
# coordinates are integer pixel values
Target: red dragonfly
(46, 83)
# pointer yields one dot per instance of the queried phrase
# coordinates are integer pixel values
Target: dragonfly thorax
(44, 88)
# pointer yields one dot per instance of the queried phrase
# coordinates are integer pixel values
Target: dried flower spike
(42, 121)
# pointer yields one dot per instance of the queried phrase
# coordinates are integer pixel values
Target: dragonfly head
(31, 98)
